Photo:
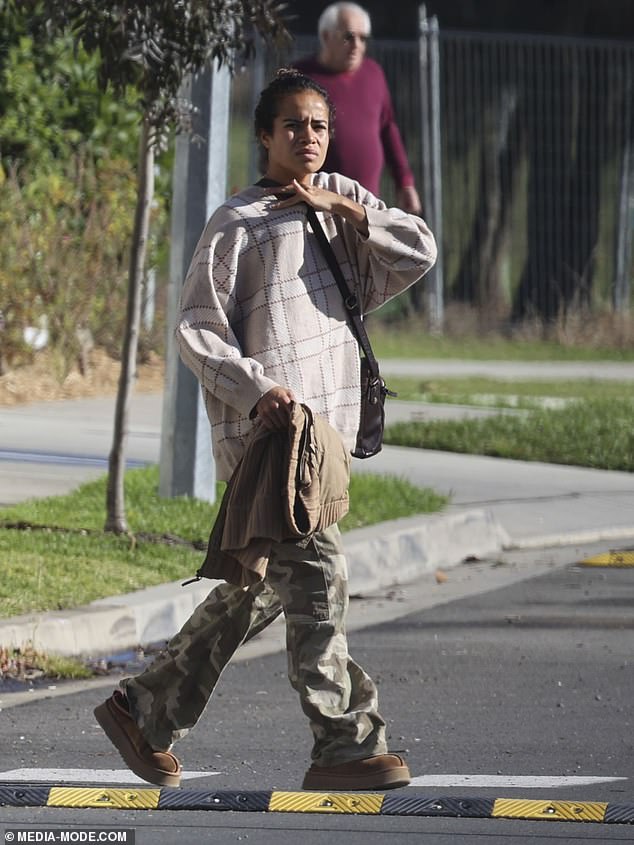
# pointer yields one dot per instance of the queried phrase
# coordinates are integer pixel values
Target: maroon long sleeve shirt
(366, 134)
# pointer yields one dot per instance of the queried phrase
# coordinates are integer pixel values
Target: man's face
(298, 144)
(344, 48)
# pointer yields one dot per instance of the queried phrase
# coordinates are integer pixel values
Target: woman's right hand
(274, 408)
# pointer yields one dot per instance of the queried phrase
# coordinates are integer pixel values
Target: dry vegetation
(38, 382)
(578, 328)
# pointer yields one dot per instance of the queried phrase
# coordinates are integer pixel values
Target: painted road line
(35, 457)
(448, 781)
(508, 781)
(615, 557)
(117, 776)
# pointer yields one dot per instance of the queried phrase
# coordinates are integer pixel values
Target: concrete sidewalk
(497, 505)
(512, 370)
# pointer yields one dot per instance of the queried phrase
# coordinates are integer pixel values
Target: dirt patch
(38, 381)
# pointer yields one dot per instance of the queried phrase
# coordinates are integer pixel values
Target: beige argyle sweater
(260, 307)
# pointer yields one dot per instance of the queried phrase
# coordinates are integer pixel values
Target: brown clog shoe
(158, 767)
(384, 771)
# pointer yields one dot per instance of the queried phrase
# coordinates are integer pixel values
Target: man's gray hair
(329, 18)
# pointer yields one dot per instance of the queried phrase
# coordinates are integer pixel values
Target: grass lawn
(410, 340)
(57, 556)
(504, 394)
(594, 433)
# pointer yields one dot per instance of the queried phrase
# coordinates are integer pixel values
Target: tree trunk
(478, 281)
(566, 158)
(115, 500)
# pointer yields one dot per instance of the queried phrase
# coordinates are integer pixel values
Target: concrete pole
(258, 83)
(429, 56)
(625, 219)
(200, 184)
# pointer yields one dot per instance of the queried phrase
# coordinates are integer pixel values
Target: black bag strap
(350, 300)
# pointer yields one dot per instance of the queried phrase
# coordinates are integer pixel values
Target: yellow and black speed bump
(118, 799)
(561, 811)
(193, 799)
(357, 803)
(419, 805)
(402, 803)
(615, 557)
(619, 814)
(24, 796)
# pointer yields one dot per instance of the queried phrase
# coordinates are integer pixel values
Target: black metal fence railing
(533, 147)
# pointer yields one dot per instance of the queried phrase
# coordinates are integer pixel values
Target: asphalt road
(532, 680)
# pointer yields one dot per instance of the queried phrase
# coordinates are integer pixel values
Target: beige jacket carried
(288, 485)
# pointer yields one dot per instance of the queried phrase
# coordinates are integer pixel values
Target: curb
(380, 556)
(572, 538)
(477, 807)
(399, 551)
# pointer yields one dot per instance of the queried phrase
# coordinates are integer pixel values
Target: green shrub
(68, 155)
(64, 237)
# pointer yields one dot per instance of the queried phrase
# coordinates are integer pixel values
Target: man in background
(366, 134)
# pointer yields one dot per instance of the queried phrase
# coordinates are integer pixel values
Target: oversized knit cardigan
(260, 307)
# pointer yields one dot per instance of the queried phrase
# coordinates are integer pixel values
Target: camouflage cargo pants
(311, 586)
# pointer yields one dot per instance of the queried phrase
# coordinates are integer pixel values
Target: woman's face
(298, 144)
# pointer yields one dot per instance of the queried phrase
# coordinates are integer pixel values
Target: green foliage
(75, 80)
(595, 434)
(153, 45)
(51, 107)
(64, 235)
(68, 155)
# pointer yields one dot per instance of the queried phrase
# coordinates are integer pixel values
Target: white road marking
(99, 776)
(509, 781)
(124, 776)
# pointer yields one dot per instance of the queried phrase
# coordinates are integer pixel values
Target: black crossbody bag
(373, 388)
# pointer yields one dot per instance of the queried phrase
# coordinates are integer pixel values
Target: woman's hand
(322, 200)
(274, 408)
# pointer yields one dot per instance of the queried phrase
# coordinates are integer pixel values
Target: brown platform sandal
(158, 767)
(384, 771)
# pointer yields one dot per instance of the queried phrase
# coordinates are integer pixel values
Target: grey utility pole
(625, 220)
(200, 184)
(429, 56)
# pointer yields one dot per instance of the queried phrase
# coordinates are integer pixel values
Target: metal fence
(523, 148)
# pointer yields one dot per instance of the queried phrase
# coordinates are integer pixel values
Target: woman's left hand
(323, 200)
